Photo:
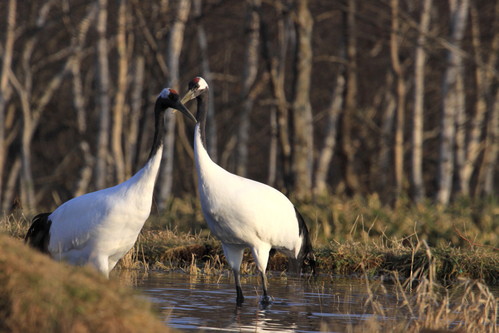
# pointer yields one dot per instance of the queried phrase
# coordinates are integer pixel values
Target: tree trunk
(103, 103)
(27, 185)
(303, 127)
(491, 154)
(4, 83)
(460, 133)
(135, 112)
(418, 186)
(274, 133)
(85, 173)
(397, 68)
(10, 185)
(175, 41)
(119, 100)
(250, 70)
(79, 105)
(488, 169)
(327, 151)
(211, 126)
(459, 11)
(484, 79)
(347, 149)
(276, 68)
(384, 180)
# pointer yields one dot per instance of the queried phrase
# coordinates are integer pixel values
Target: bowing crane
(243, 213)
(99, 228)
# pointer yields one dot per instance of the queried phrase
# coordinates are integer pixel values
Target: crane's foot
(239, 297)
(266, 301)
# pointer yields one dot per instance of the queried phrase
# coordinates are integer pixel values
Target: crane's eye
(193, 85)
(173, 95)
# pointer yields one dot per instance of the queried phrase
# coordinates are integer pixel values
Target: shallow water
(299, 305)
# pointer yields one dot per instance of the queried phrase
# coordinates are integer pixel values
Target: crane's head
(197, 86)
(169, 98)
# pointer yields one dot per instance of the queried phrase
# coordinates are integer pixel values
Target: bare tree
(175, 40)
(135, 111)
(103, 99)
(10, 185)
(488, 168)
(418, 187)
(33, 105)
(398, 69)
(211, 130)
(303, 128)
(484, 77)
(347, 148)
(274, 134)
(276, 64)
(491, 154)
(120, 108)
(452, 101)
(5, 90)
(326, 153)
(250, 70)
(79, 102)
(384, 180)
(59, 87)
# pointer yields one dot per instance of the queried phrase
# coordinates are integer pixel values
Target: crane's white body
(99, 228)
(240, 211)
(243, 213)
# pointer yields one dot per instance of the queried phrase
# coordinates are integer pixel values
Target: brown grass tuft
(40, 295)
(468, 307)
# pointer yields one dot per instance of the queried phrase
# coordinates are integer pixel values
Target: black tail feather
(306, 255)
(38, 235)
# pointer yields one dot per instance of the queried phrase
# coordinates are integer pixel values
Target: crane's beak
(190, 94)
(181, 107)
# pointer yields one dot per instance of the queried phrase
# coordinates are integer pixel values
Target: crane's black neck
(159, 129)
(201, 117)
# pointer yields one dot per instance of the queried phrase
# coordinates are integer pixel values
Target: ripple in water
(300, 305)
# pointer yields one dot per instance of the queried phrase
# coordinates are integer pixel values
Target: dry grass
(377, 258)
(364, 251)
(468, 306)
(40, 295)
(438, 287)
(15, 224)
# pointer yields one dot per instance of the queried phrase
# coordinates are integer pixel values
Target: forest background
(393, 98)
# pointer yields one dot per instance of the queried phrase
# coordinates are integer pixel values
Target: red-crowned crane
(243, 213)
(99, 228)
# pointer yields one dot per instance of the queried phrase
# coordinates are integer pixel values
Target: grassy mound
(40, 295)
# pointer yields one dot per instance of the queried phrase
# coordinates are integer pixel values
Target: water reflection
(208, 303)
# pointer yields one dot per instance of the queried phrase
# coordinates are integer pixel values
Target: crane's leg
(261, 255)
(239, 290)
(234, 255)
(265, 286)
